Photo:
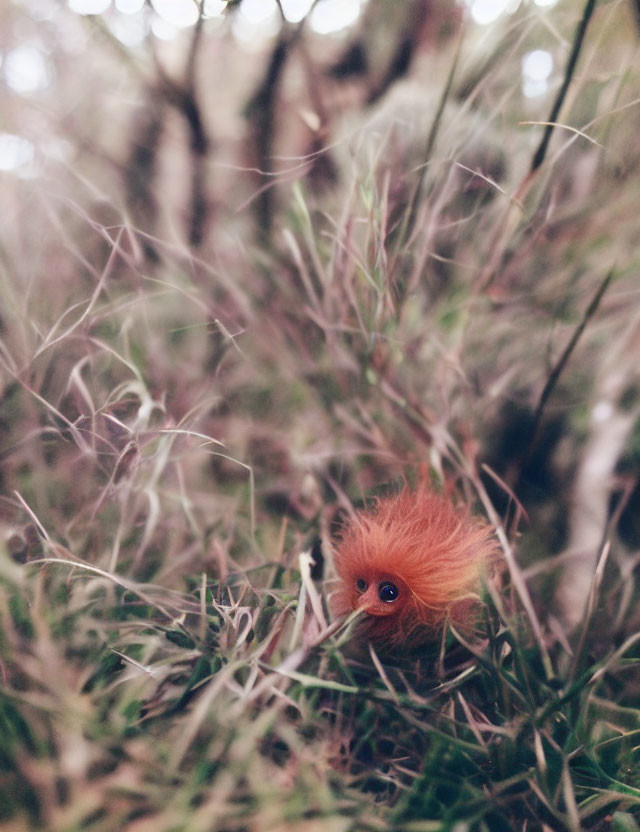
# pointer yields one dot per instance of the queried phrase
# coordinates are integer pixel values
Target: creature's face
(379, 594)
(409, 563)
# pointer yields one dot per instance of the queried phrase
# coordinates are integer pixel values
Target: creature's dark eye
(361, 584)
(387, 592)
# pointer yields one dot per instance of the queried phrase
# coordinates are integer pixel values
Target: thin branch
(541, 152)
(556, 372)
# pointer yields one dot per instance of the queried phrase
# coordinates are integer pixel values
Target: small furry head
(410, 563)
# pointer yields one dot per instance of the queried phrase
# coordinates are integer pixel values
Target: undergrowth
(188, 418)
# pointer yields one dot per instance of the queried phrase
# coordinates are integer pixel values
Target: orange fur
(432, 553)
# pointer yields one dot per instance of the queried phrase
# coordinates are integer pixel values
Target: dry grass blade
(590, 607)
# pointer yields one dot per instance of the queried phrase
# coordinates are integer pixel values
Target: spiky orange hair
(409, 563)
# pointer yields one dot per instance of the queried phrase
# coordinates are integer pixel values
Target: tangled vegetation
(246, 286)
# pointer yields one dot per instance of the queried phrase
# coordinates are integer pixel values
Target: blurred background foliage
(259, 260)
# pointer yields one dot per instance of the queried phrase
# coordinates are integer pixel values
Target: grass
(134, 706)
(184, 428)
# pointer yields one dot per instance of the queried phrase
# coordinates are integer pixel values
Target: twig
(410, 214)
(556, 372)
(541, 152)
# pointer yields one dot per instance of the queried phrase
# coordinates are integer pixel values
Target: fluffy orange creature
(410, 563)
